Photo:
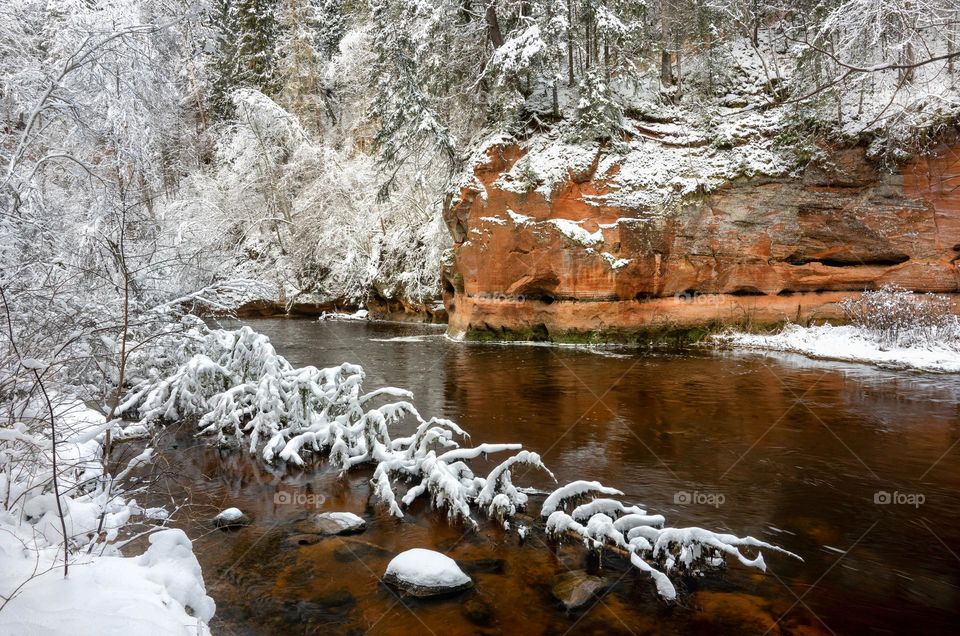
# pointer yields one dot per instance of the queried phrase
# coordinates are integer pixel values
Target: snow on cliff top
(673, 151)
(662, 164)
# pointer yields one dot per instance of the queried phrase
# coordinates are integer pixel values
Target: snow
(574, 231)
(518, 219)
(574, 489)
(360, 314)
(652, 548)
(112, 595)
(339, 523)
(160, 591)
(850, 344)
(614, 262)
(230, 514)
(548, 162)
(426, 568)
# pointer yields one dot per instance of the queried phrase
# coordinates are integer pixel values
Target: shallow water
(786, 449)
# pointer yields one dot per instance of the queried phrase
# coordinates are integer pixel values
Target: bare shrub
(899, 317)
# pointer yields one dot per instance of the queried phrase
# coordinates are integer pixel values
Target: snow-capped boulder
(231, 518)
(575, 589)
(421, 572)
(332, 523)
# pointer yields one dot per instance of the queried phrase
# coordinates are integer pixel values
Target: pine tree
(258, 33)
(598, 115)
(247, 37)
(299, 66)
(223, 60)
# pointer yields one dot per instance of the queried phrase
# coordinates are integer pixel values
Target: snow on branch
(242, 391)
(657, 550)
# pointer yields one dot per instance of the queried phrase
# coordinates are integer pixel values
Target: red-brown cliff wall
(764, 250)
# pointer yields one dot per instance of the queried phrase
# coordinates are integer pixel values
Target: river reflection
(786, 449)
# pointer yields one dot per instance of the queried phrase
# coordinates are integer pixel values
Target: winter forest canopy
(308, 145)
(160, 156)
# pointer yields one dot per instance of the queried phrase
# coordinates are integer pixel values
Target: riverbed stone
(231, 519)
(477, 611)
(575, 589)
(331, 524)
(356, 550)
(422, 573)
(484, 566)
(304, 539)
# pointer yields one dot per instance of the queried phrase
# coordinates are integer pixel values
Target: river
(805, 454)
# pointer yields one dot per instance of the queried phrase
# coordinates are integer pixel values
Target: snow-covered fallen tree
(240, 390)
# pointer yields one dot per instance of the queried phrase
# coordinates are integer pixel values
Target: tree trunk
(666, 76)
(493, 25)
(570, 39)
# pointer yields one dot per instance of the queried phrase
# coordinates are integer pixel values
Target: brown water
(797, 449)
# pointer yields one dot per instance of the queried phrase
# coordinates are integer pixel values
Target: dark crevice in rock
(747, 291)
(849, 261)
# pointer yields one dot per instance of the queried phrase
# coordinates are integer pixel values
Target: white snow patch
(230, 514)
(519, 219)
(360, 314)
(850, 344)
(574, 231)
(614, 262)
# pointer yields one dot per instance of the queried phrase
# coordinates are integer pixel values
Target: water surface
(786, 449)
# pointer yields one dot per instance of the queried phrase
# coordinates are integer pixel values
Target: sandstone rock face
(758, 250)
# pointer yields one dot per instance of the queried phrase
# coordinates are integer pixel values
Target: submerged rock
(231, 518)
(420, 572)
(355, 550)
(330, 608)
(332, 523)
(300, 540)
(477, 611)
(484, 566)
(575, 589)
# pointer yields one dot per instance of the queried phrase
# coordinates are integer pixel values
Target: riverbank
(849, 344)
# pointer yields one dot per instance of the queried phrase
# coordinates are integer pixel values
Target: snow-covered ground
(851, 344)
(158, 592)
(103, 595)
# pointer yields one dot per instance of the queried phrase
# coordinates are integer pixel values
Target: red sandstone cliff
(763, 249)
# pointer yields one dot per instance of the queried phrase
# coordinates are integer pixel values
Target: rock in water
(231, 518)
(477, 611)
(420, 572)
(575, 589)
(332, 523)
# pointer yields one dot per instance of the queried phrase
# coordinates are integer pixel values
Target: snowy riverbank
(160, 591)
(850, 344)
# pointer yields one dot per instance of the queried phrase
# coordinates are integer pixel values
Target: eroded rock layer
(757, 250)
